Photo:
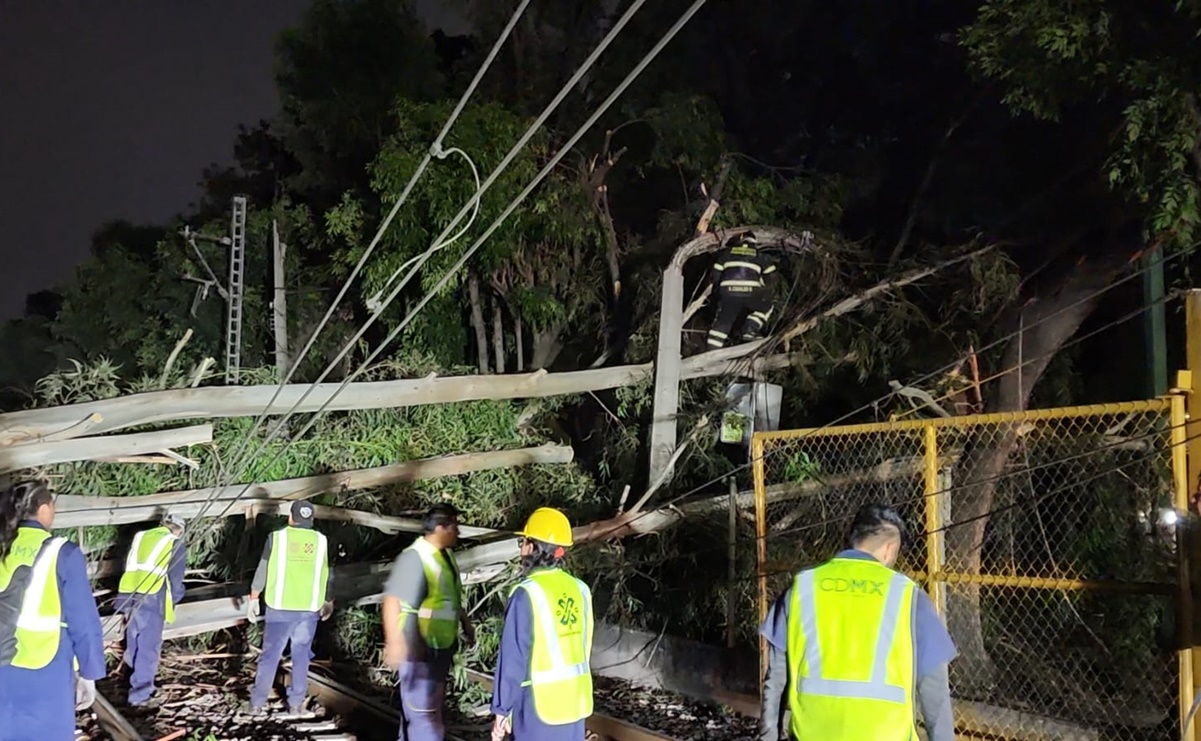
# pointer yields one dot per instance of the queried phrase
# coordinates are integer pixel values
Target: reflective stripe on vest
(560, 675)
(148, 564)
(40, 621)
(297, 570)
(853, 604)
(438, 613)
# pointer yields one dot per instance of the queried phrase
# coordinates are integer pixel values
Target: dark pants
(298, 629)
(750, 310)
(422, 695)
(143, 646)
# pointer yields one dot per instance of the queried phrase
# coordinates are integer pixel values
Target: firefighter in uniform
(51, 643)
(293, 578)
(743, 278)
(422, 614)
(851, 644)
(150, 587)
(542, 690)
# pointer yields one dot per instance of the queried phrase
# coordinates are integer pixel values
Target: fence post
(760, 476)
(1184, 608)
(934, 534)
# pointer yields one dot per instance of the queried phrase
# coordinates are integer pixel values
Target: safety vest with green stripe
(147, 565)
(850, 652)
(40, 622)
(297, 570)
(438, 614)
(560, 677)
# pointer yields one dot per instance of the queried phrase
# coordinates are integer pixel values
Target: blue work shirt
(39, 704)
(933, 646)
(156, 603)
(509, 697)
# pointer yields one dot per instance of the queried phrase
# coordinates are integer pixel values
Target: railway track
(340, 713)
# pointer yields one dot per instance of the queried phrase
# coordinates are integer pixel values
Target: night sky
(112, 109)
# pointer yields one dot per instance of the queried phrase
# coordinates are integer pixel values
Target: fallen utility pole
(77, 511)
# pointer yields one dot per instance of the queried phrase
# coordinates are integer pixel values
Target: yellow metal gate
(1047, 539)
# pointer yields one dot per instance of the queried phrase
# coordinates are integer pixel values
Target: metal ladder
(237, 257)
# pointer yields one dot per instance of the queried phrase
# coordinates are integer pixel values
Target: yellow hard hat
(548, 525)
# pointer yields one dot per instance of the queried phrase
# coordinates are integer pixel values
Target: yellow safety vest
(147, 565)
(560, 677)
(297, 570)
(40, 623)
(438, 613)
(850, 653)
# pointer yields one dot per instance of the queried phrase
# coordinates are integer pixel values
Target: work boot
(147, 705)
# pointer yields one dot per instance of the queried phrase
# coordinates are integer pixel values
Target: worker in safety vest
(543, 685)
(743, 278)
(422, 615)
(51, 643)
(149, 590)
(850, 642)
(294, 580)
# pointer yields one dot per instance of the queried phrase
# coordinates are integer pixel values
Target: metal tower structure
(237, 265)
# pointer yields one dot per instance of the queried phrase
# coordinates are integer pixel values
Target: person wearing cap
(150, 587)
(294, 579)
(542, 690)
(743, 278)
(854, 646)
(422, 616)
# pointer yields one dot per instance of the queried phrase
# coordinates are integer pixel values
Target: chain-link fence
(1046, 539)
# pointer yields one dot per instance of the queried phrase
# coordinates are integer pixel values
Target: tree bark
(546, 347)
(78, 511)
(519, 341)
(1051, 322)
(92, 448)
(477, 321)
(498, 336)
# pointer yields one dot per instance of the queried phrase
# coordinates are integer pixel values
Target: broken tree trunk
(91, 448)
(1050, 322)
(75, 511)
(669, 371)
(76, 420)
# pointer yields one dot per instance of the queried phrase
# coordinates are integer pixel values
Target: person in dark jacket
(58, 623)
(743, 278)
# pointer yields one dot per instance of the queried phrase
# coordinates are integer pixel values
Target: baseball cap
(302, 512)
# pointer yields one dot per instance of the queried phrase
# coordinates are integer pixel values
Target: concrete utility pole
(279, 306)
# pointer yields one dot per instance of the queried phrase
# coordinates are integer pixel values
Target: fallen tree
(47, 452)
(78, 511)
(110, 415)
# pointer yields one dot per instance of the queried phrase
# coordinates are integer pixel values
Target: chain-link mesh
(1046, 540)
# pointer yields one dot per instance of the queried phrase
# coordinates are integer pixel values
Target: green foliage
(339, 442)
(1052, 57)
(339, 73)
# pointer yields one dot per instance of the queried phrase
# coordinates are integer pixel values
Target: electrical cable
(373, 303)
(634, 74)
(547, 168)
(242, 463)
(868, 406)
(435, 150)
